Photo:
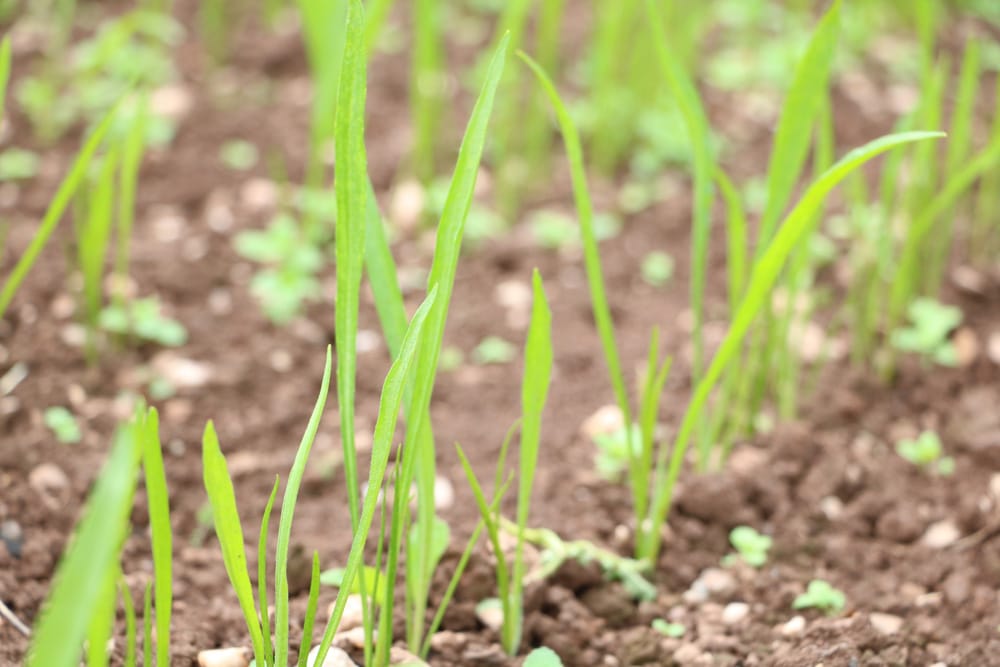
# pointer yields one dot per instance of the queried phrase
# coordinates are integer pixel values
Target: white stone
(181, 372)
(993, 347)
(173, 101)
(259, 194)
(224, 657)
(794, 626)
(444, 493)
(606, 419)
(832, 507)
(966, 346)
(735, 612)
(354, 613)
(335, 657)
(48, 478)
(407, 205)
(490, 614)
(886, 624)
(399, 656)
(941, 534)
(717, 581)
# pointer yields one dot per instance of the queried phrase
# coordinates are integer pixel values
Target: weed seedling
(543, 657)
(17, 164)
(288, 279)
(239, 155)
(751, 547)
(674, 630)
(613, 455)
(821, 595)
(493, 350)
(657, 268)
(925, 451)
(930, 324)
(143, 320)
(63, 424)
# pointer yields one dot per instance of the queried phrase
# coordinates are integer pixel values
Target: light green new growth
(751, 546)
(63, 424)
(91, 560)
(926, 452)
(821, 595)
(158, 501)
(931, 324)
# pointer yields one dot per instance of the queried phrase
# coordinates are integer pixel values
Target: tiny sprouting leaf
(494, 350)
(821, 595)
(142, 318)
(926, 452)
(543, 657)
(931, 323)
(335, 577)
(751, 545)
(63, 424)
(239, 154)
(17, 164)
(554, 230)
(669, 629)
(657, 268)
(612, 456)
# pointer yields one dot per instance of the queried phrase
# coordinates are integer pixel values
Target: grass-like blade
(592, 257)
(762, 279)
(130, 628)
(4, 72)
(229, 530)
(418, 447)
(158, 500)
(307, 626)
(793, 134)
(81, 578)
(265, 621)
(385, 426)
(285, 519)
(351, 186)
(534, 392)
(58, 205)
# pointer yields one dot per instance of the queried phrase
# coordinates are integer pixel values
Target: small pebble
(966, 346)
(353, 616)
(259, 195)
(794, 626)
(281, 360)
(687, 654)
(832, 507)
(398, 656)
(48, 479)
(604, 420)
(993, 347)
(13, 537)
(181, 372)
(446, 640)
(224, 657)
(444, 493)
(886, 624)
(368, 341)
(407, 205)
(941, 534)
(490, 614)
(173, 101)
(735, 612)
(335, 657)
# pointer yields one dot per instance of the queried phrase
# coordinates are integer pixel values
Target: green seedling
(553, 230)
(543, 657)
(751, 547)
(127, 53)
(291, 262)
(493, 350)
(822, 596)
(143, 320)
(657, 268)
(931, 323)
(925, 451)
(17, 164)
(63, 424)
(239, 155)
(615, 450)
(451, 358)
(664, 627)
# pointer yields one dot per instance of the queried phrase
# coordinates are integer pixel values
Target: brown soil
(841, 505)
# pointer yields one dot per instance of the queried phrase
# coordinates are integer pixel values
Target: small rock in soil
(690, 654)
(448, 641)
(490, 614)
(259, 195)
(941, 534)
(485, 656)
(885, 624)
(605, 420)
(714, 498)
(735, 612)
(611, 603)
(335, 657)
(712, 582)
(832, 507)
(354, 614)
(407, 205)
(12, 536)
(48, 479)
(351, 639)
(794, 626)
(993, 347)
(398, 656)
(224, 657)
(957, 588)
(966, 346)
(444, 493)
(181, 372)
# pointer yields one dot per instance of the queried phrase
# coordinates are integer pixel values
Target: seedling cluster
(640, 110)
